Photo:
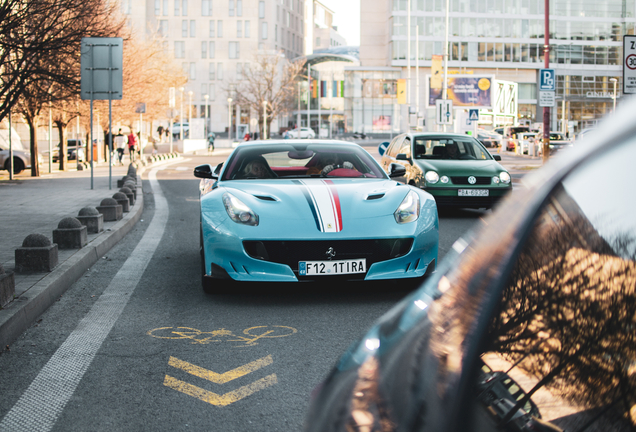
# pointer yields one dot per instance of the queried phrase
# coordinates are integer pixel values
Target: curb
(19, 315)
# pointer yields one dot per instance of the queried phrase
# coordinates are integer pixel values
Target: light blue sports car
(300, 211)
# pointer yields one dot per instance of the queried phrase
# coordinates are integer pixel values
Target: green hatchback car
(456, 169)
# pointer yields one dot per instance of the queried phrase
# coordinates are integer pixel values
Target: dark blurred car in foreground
(545, 287)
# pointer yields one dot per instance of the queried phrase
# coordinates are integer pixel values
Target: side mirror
(396, 170)
(497, 158)
(204, 171)
(403, 157)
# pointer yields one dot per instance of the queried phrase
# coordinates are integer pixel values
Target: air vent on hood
(375, 196)
(265, 197)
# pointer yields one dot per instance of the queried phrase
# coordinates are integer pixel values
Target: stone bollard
(92, 219)
(128, 192)
(37, 254)
(7, 287)
(111, 210)
(133, 187)
(122, 200)
(70, 234)
(122, 180)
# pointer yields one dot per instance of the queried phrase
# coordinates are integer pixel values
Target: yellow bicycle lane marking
(214, 398)
(251, 338)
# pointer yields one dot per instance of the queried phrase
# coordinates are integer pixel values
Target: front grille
(290, 252)
(463, 180)
(467, 202)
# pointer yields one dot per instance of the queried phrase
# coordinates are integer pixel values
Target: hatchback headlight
(505, 177)
(409, 209)
(238, 211)
(431, 177)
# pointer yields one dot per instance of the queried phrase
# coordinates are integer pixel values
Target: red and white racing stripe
(323, 197)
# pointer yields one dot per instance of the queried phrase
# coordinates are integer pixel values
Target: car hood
(462, 167)
(312, 205)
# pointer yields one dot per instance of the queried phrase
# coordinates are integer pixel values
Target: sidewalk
(35, 205)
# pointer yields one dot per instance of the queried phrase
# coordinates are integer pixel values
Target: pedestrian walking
(120, 142)
(160, 132)
(132, 145)
(211, 138)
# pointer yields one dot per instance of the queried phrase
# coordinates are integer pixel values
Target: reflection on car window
(456, 148)
(566, 327)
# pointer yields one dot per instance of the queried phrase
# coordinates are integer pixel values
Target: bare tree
(270, 78)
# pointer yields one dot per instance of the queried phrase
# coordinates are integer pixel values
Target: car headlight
(409, 209)
(495, 180)
(431, 177)
(444, 179)
(239, 212)
(505, 177)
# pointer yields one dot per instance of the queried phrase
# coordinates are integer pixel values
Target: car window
(565, 328)
(449, 148)
(405, 148)
(395, 146)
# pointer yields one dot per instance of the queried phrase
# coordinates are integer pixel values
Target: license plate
(473, 192)
(329, 268)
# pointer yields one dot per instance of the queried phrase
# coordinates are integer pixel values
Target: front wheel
(18, 165)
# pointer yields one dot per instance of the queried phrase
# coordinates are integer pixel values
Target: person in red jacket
(132, 145)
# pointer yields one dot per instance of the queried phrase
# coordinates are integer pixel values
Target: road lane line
(44, 400)
(215, 399)
(217, 377)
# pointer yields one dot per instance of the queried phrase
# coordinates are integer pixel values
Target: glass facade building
(505, 38)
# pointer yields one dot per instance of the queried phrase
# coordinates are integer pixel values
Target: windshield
(455, 148)
(301, 161)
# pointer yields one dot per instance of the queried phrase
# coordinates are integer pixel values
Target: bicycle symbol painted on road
(251, 336)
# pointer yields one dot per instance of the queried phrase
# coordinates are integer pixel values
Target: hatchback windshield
(455, 148)
(301, 161)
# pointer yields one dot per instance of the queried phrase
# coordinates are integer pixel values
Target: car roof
(436, 134)
(335, 143)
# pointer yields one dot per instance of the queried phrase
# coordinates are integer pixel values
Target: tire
(18, 165)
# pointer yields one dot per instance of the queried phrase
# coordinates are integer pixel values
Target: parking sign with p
(547, 80)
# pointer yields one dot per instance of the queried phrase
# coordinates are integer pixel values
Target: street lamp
(264, 119)
(181, 89)
(190, 107)
(614, 80)
(229, 119)
(206, 97)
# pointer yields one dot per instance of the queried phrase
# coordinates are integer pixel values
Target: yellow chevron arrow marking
(220, 378)
(219, 400)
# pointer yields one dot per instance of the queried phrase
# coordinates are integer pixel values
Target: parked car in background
(489, 139)
(300, 133)
(21, 156)
(456, 169)
(558, 142)
(176, 130)
(75, 151)
(544, 286)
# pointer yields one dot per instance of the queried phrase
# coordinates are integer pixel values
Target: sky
(346, 18)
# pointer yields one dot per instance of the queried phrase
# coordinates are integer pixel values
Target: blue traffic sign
(473, 115)
(547, 80)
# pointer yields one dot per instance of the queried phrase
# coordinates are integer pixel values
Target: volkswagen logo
(472, 180)
(330, 253)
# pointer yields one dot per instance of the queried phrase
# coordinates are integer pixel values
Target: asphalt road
(165, 356)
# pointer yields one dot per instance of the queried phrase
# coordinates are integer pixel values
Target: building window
(234, 50)
(247, 29)
(211, 30)
(206, 7)
(239, 29)
(211, 72)
(318, 41)
(193, 28)
(264, 30)
(204, 91)
(184, 28)
(239, 71)
(219, 28)
(212, 92)
(275, 32)
(231, 7)
(204, 50)
(163, 28)
(219, 71)
(179, 49)
(157, 7)
(212, 52)
(177, 7)
(165, 7)
(239, 7)
(261, 9)
(193, 71)
(184, 8)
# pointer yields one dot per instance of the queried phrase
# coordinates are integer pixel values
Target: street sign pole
(546, 59)
(629, 65)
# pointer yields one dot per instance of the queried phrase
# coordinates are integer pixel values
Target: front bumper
(449, 196)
